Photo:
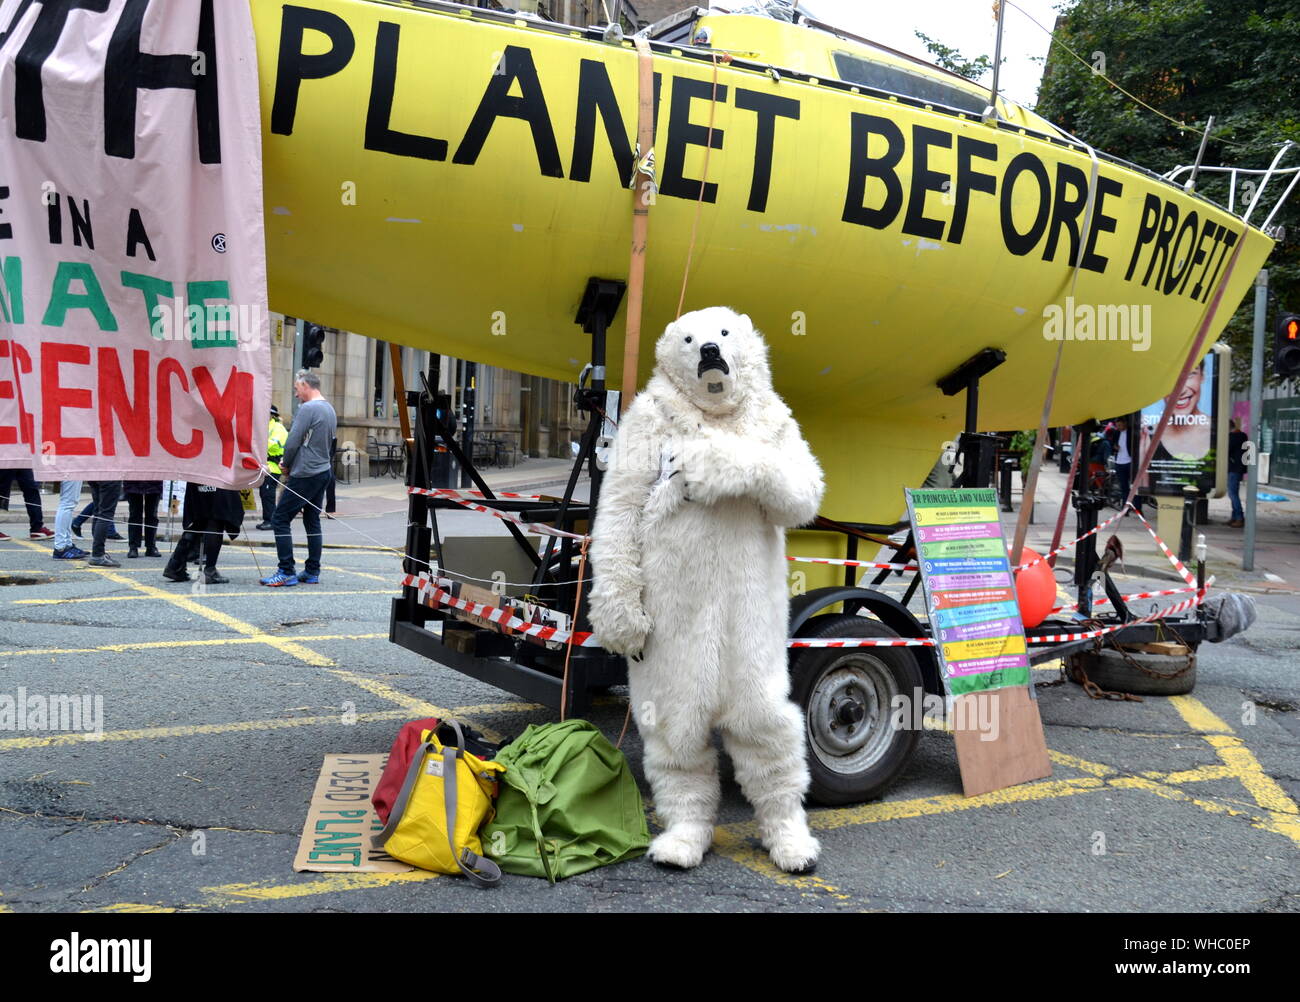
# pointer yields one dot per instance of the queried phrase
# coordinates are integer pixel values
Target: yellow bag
(420, 830)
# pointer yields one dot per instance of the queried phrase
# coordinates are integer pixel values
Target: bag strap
(468, 861)
(404, 795)
(541, 842)
(481, 872)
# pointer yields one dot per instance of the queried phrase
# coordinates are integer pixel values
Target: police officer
(274, 454)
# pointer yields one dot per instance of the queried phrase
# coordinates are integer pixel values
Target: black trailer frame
(535, 671)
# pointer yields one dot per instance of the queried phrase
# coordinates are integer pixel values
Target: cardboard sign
(133, 310)
(969, 588)
(341, 820)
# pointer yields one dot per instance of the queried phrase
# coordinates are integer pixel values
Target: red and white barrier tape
(1062, 638)
(1074, 542)
(1135, 596)
(1183, 572)
(545, 530)
(431, 594)
(452, 493)
(863, 642)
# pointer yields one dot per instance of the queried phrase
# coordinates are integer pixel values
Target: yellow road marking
(363, 574)
(208, 593)
(1202, 772)
(1083, 765)
(411, 706)
(1283, 815)
(128, 907)
(230, 622)
(500, 707)
(947, 803)
(239, 894)
(728, 844)
(187, 730)
(145, 645)
(418, 706)
(1169, 793)
(324, 883)
(1199, 716)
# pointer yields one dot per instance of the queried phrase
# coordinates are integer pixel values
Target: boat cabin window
(881, 76)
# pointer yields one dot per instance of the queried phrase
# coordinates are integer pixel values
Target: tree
(1237, 60)
(951, 59)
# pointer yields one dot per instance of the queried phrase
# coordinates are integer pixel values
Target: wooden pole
(644, 194)
(399, 390)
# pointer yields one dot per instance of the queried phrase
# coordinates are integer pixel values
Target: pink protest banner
(133, 323)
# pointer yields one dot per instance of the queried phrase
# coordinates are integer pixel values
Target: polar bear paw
(621, 629)
(681, 845)
(793, 851)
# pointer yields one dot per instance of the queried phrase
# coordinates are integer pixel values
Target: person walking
(142, 498)
(307, 463)
(31, 496)
(88, 512)
(209, 514)
(104, 494)
(1236, 471)
(275, 440)
(1124, 463)
(64, 547)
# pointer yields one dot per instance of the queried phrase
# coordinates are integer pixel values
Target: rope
(568, 647)
(1182, 127)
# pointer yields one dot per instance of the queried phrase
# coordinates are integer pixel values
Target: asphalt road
(219, 705)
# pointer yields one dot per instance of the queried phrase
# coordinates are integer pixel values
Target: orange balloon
(1036, 589)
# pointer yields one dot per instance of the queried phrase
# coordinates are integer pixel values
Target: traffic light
(1286, 345)
(313, 347)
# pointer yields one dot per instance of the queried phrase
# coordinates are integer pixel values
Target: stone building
(515, 415)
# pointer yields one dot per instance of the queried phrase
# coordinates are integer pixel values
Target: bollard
(1004, 483)
(1191, 494)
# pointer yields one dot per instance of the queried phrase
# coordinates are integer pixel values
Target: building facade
(515, 415)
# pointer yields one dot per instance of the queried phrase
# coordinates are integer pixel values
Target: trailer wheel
(846, 693)
(1110, 669)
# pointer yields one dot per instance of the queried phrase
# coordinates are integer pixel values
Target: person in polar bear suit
(689, 580)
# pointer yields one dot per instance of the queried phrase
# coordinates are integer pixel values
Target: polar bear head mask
(715, 358)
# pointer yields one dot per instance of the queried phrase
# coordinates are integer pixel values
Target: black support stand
(977, 450)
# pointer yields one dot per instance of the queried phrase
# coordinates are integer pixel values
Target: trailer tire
(1109, 669)
(854, 753)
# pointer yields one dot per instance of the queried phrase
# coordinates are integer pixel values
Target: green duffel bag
(567, 804)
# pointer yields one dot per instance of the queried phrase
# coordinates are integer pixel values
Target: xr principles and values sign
(969, 588)
(133, 321)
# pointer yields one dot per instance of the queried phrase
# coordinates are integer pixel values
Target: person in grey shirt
(306, 466)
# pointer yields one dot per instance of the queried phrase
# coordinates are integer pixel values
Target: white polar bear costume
(689, 573)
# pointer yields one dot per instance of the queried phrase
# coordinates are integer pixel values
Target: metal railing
(1253, 192)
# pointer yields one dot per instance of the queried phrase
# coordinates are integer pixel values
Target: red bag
(399, 761)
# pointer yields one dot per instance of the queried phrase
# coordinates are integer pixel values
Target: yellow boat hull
(447, 181)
